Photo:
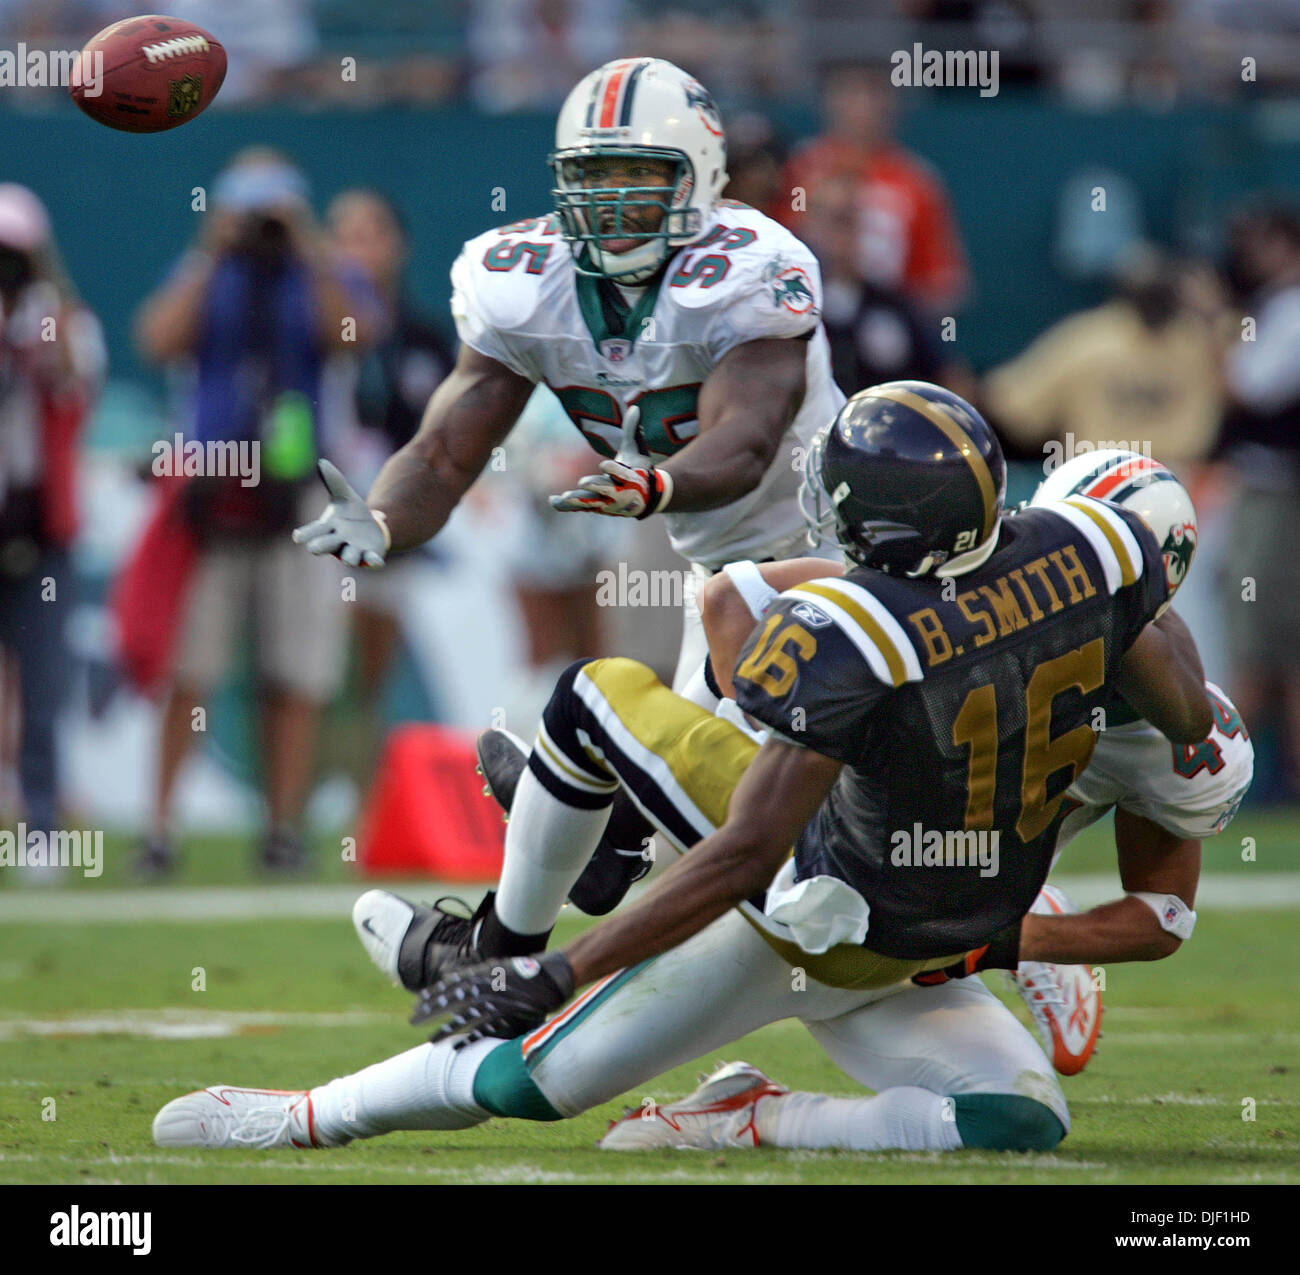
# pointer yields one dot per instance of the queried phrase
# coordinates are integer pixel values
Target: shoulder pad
(506, 273)
(1115, 535)
(872, 628)
(761, 256)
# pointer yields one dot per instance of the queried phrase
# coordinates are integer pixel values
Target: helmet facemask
(814, 500)
(883, 545)
(593, 215)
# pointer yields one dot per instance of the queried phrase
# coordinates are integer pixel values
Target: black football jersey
(962, 709)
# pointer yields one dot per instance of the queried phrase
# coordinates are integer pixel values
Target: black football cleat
(620, 858)
(502, 757)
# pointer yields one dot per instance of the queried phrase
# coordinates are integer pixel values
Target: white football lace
(1044, 990)
(262, 1127)
(175, 48)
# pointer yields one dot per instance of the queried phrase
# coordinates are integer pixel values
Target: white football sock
(547, 846)
(428, 1087)
(904, 1118)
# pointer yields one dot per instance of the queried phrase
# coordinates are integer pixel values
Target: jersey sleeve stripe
(1118, 535)
(958, 437)
(861, 628)
(875, 609)
(1093, 534)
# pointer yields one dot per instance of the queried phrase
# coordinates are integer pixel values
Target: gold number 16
(977, 726)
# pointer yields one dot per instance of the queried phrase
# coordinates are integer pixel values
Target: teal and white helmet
(1138, 483)
(637, 107)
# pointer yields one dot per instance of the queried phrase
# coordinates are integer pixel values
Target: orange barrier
(426, 813)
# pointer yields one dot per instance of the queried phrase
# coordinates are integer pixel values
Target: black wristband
(655, 494)
(556, 966)
(710, 678)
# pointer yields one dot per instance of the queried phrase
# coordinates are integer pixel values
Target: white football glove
(348, 528)
(620, 490)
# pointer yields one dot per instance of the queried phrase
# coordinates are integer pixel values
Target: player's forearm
(719, 467)
(1181, 644)
(1125, 930)
(470, 413)
(727, 623)
(1163, 689)
(745, 407)
(781, 790)
(415, 496)
(713, 878)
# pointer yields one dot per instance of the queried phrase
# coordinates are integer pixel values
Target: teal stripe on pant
(503, 1086)
(503, 1083)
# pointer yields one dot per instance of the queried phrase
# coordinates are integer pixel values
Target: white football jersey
(517, 298)
(1191, 790)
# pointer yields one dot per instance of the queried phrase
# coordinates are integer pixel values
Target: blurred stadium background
(450, 114)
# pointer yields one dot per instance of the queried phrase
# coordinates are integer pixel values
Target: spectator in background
(1262, 443)
(1142, 368)
(756, 159)
(875, 334)
(907, 238)
(255, 309)
(264, 40)
(386, 387)
(528, 54)
(52, 362)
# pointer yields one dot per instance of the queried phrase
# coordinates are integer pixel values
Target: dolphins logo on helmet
(1138, 483)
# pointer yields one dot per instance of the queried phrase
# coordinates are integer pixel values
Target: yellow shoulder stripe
(1127, 574)
(869, 625)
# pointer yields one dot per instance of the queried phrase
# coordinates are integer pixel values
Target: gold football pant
(612, 722)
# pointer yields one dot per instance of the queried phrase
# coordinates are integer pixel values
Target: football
(148, 74)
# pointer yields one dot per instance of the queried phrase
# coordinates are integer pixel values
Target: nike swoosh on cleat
(369, 929)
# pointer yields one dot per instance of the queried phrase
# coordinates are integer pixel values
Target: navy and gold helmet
(912, 479)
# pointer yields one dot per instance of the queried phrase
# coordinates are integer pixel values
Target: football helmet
(636, 108)
(912, 479)
(1138, 483)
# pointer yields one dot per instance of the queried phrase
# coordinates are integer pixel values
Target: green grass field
(98, 1013)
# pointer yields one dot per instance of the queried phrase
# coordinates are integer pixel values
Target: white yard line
(1218, 891)
(179, 1024)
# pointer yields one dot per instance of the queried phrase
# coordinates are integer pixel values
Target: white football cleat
(224, 1116)
(414, 944)
(381, 920)
(1063, 999)
(720, 1113)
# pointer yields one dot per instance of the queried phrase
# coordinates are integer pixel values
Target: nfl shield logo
(616, 351)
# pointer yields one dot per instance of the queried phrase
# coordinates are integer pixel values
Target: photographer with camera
(51, 364)
(254, 311)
